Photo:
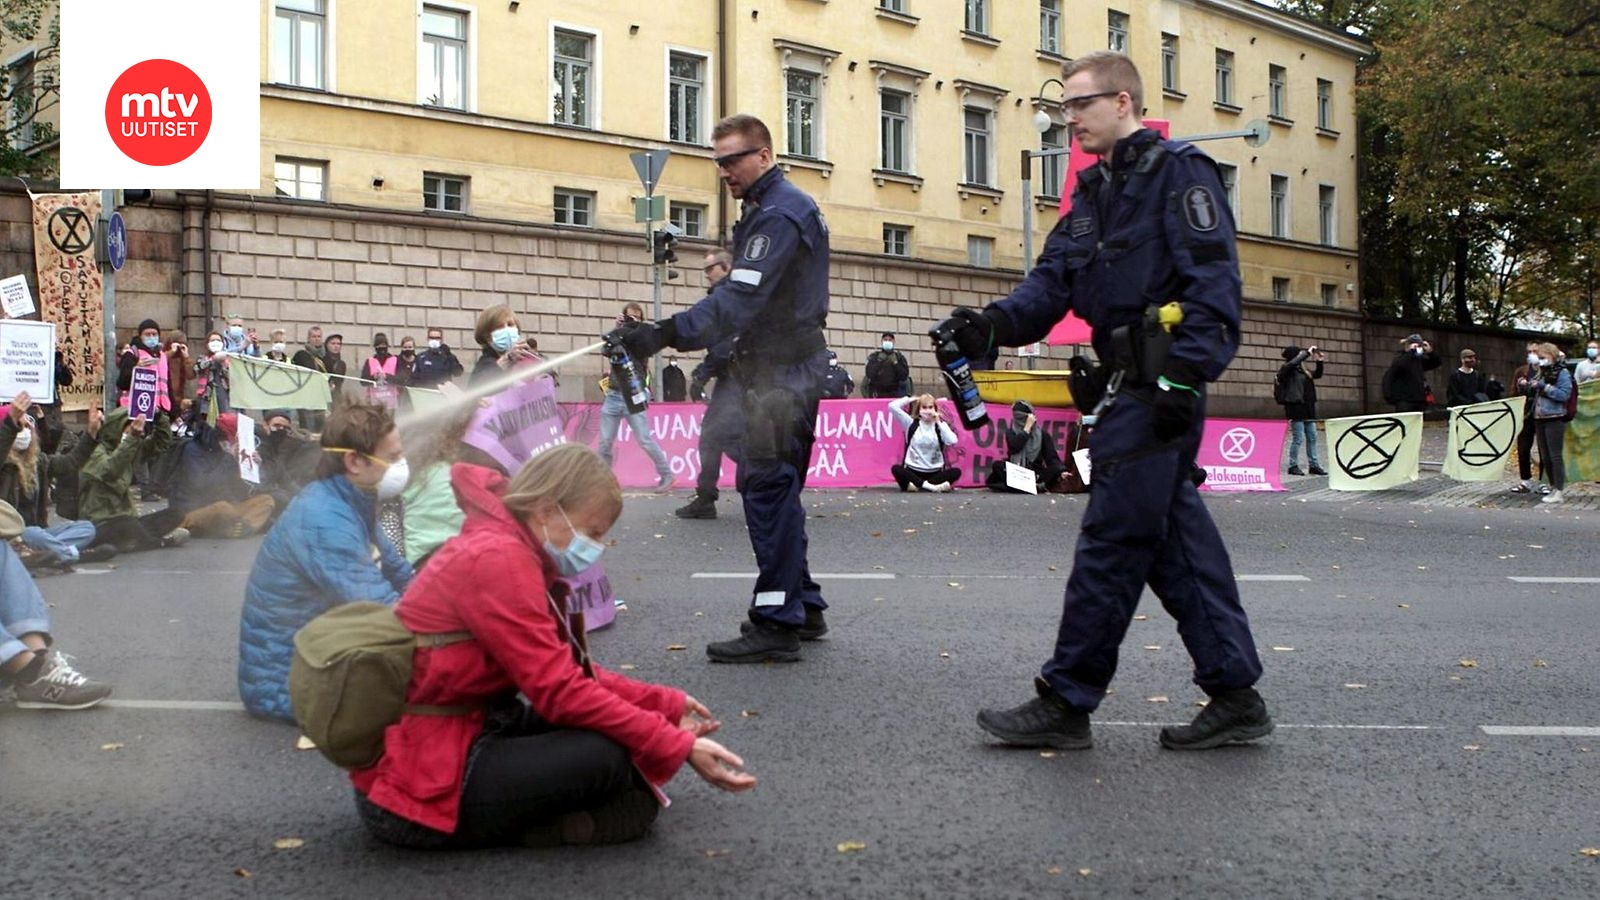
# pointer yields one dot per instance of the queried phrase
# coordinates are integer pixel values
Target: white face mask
(278, 346)
(24, 440)
(434, 343)
(887, 345)
(1533, 359)
(214, 346)
(394, 479)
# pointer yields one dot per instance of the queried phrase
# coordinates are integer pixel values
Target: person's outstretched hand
(697, 719)
(719, 766)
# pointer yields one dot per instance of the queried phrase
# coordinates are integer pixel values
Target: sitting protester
(33, 675)
(922, 466)
(320, 553)
(289, 458)
(431, 513)
(1029, 447)
(105, 485)
(25, 473)
(207, 488)
(574, 763)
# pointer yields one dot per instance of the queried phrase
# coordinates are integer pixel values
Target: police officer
(723, 421)
(1147, 225)
(775, 302)
(837, 384)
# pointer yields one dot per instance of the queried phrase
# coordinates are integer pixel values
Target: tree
(31, 86)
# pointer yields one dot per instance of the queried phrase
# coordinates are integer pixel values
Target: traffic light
(663, 241)
(126, 196)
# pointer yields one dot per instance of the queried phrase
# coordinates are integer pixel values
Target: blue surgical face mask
(887, 345)
(151, 343)
(1592, 352)
(579, 554)
(236, 332)
(503, 338)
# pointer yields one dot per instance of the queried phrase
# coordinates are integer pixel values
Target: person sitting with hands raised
(923, 465)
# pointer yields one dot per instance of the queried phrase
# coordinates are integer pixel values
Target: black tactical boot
(763, 643)
(1044, 721)
(1231, 717)
(701, 507)
(814, 628)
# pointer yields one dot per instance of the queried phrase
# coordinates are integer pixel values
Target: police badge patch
(1081, 225)
(1200, 209)
(756, 248)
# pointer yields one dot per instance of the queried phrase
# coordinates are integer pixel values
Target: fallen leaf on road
(305, 743)
(877, 534)
(1535, 546)
(1152, 646)
(1335, 567)
(851, 846)
(713, 854)
(944, 654)
(1455, 677)
(1422, 568)
(1540, 664)
(1053, 870)
(1472, 747)
(1140, 618)
(699, 614)
(671, 647)
(242, 873)
(288, 843)
(954, 584)
(750, 713)
(1355, 686)
(118, 745)
(1086, 872)
(1202, 702)
(908, 531)
(1468, 663)
(660, 536)
(1284, 649)
(1159, 698)
(1589, 851)
(1053, 569)
(1047, 754)
(1355, 538)
(627, 667)
(1403, 605)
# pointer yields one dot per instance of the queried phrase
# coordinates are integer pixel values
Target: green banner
(263, 384)
(1581, 453)
(424, 399)
(1482, 438)
(1374, 453)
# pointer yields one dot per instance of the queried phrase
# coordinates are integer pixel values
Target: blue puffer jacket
(318, 555)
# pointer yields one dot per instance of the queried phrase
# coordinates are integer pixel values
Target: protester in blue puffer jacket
(320, 552)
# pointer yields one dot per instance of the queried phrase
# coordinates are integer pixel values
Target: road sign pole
(108, 302)
(649, 163)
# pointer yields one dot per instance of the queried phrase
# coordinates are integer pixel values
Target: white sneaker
(177, 537)
(1552, 497)
(60, 686)
(1544, 488)
(940, 488)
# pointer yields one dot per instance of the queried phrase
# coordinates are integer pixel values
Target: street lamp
(1041, 123)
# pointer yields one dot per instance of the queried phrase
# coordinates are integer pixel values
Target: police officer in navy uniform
(837, 384)
(1148, 225)
(775, 302)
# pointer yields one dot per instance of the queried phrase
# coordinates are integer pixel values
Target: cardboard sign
(1081, 457)
(519, 423)
(27, 360)
(142, 393)
(592, 596)
(249, 459)
(16, 298)
(1021, 478)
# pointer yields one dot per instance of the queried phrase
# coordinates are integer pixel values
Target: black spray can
(958, 377)
(626, 378)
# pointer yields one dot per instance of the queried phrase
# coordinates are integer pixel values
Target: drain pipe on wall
(722, 111)
(205, 265)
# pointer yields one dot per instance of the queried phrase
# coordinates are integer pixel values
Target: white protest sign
(16, 298)
(249, 459)
(27, 360)
(1034, 349)
(1081, 457)
(1021, 478)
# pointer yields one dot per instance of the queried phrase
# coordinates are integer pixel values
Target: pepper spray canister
(626, 378)
(957, 373)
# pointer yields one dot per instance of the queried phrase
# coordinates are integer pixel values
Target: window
(897, 240)
(1050, 26)
(895, 131)
(21, 112)
(574, 208)
(571, 87)
(1053, 168)
(1230, 187)
(898, 6)
(978, 123)
(445, 193)
(690, 217)
(1330, 294)
(1117, 31)
(1278, 92)
(1327, 230)
(1324, 104)
(297, 28)
(801, 113)
(1280, 290)
(1280, 206)
(444, 57)
(301, 179)
(1169, 62)
(1225, 77)
(978, 16)
(686, 75)
(980, 251)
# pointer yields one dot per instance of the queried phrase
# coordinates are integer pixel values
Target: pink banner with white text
(1243, 454)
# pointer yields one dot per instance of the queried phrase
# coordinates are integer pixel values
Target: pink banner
(517, 424)
(1243, 454)
(592, 596)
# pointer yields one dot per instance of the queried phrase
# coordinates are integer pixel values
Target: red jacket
(491, 580)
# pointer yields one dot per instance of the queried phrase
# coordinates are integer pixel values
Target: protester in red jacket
(578, 761)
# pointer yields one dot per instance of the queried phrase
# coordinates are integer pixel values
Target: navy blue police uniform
(775, 303)
(723, 422)
(1146, 226)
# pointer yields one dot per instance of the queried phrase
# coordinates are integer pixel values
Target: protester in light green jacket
(431, 514)
(105, 485)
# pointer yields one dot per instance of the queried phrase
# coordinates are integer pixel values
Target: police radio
(626, 377)
(958, 377)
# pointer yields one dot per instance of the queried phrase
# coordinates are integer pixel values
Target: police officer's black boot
(764, 642)
(1044, 721)
(701, 507)
(1231, 717)
(815, 627)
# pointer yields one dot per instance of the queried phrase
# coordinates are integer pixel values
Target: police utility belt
(1137, 357)
(757, 360)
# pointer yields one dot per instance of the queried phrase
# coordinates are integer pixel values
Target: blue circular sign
(117, 242)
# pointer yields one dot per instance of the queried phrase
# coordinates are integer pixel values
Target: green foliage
(25, 23)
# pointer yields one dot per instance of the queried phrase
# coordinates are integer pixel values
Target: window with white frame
(898, 6)
(571, 83)
(1117, 31)
(444, 57)
(977, 20)
(980, 251)
(1225, 77)
(1324, 104)
(686, 88)
(1330, 294)
(574, 207)
(978, 125)
(802, 108)
(1278, 91)
(444, 193)
(1053, 169)
(298, 27)
(895, 131)
(1279, 207)
(300, 179)
(1327, 225)
(1230, 187)
(1169, 62)
(1050, 26)
(1280, 290)
(897, 240)
(22, 110)
(689, 217)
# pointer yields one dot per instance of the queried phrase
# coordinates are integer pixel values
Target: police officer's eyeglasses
(723, 162)
(1076, 105)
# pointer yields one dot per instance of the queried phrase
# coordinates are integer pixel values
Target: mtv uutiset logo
(161, 94)
(158, 112)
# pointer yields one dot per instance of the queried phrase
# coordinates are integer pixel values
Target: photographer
(1296, 389)
(1405, 386)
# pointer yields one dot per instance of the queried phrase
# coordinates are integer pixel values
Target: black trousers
(1552, 437)
(130, 534)
(905, 476)
(1525, 447)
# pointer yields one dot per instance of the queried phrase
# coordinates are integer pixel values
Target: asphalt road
(1400, 638)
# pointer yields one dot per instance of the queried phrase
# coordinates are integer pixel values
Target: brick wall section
(1499, 352)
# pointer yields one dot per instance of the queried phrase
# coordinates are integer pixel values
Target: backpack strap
(434, 641)
(443, 639)
(412, 709)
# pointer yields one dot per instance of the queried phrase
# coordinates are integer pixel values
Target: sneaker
(1295, 470)
(941, 487)
(60, 686)
(1544, 488)
(97, 553)
(665, 484)
(1522, 487)
(177, 537)
(701, 507)
(814, 628)
(1317, 470)
(764, 643)
(1232, 717)
(1552, 497)
(1044, 721)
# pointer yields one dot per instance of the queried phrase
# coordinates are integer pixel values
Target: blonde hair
(1545, 348)
(568, 475)
(927, 400)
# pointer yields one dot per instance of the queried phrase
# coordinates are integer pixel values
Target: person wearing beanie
(1295, 388)
(1467, 384)
(145, 351)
